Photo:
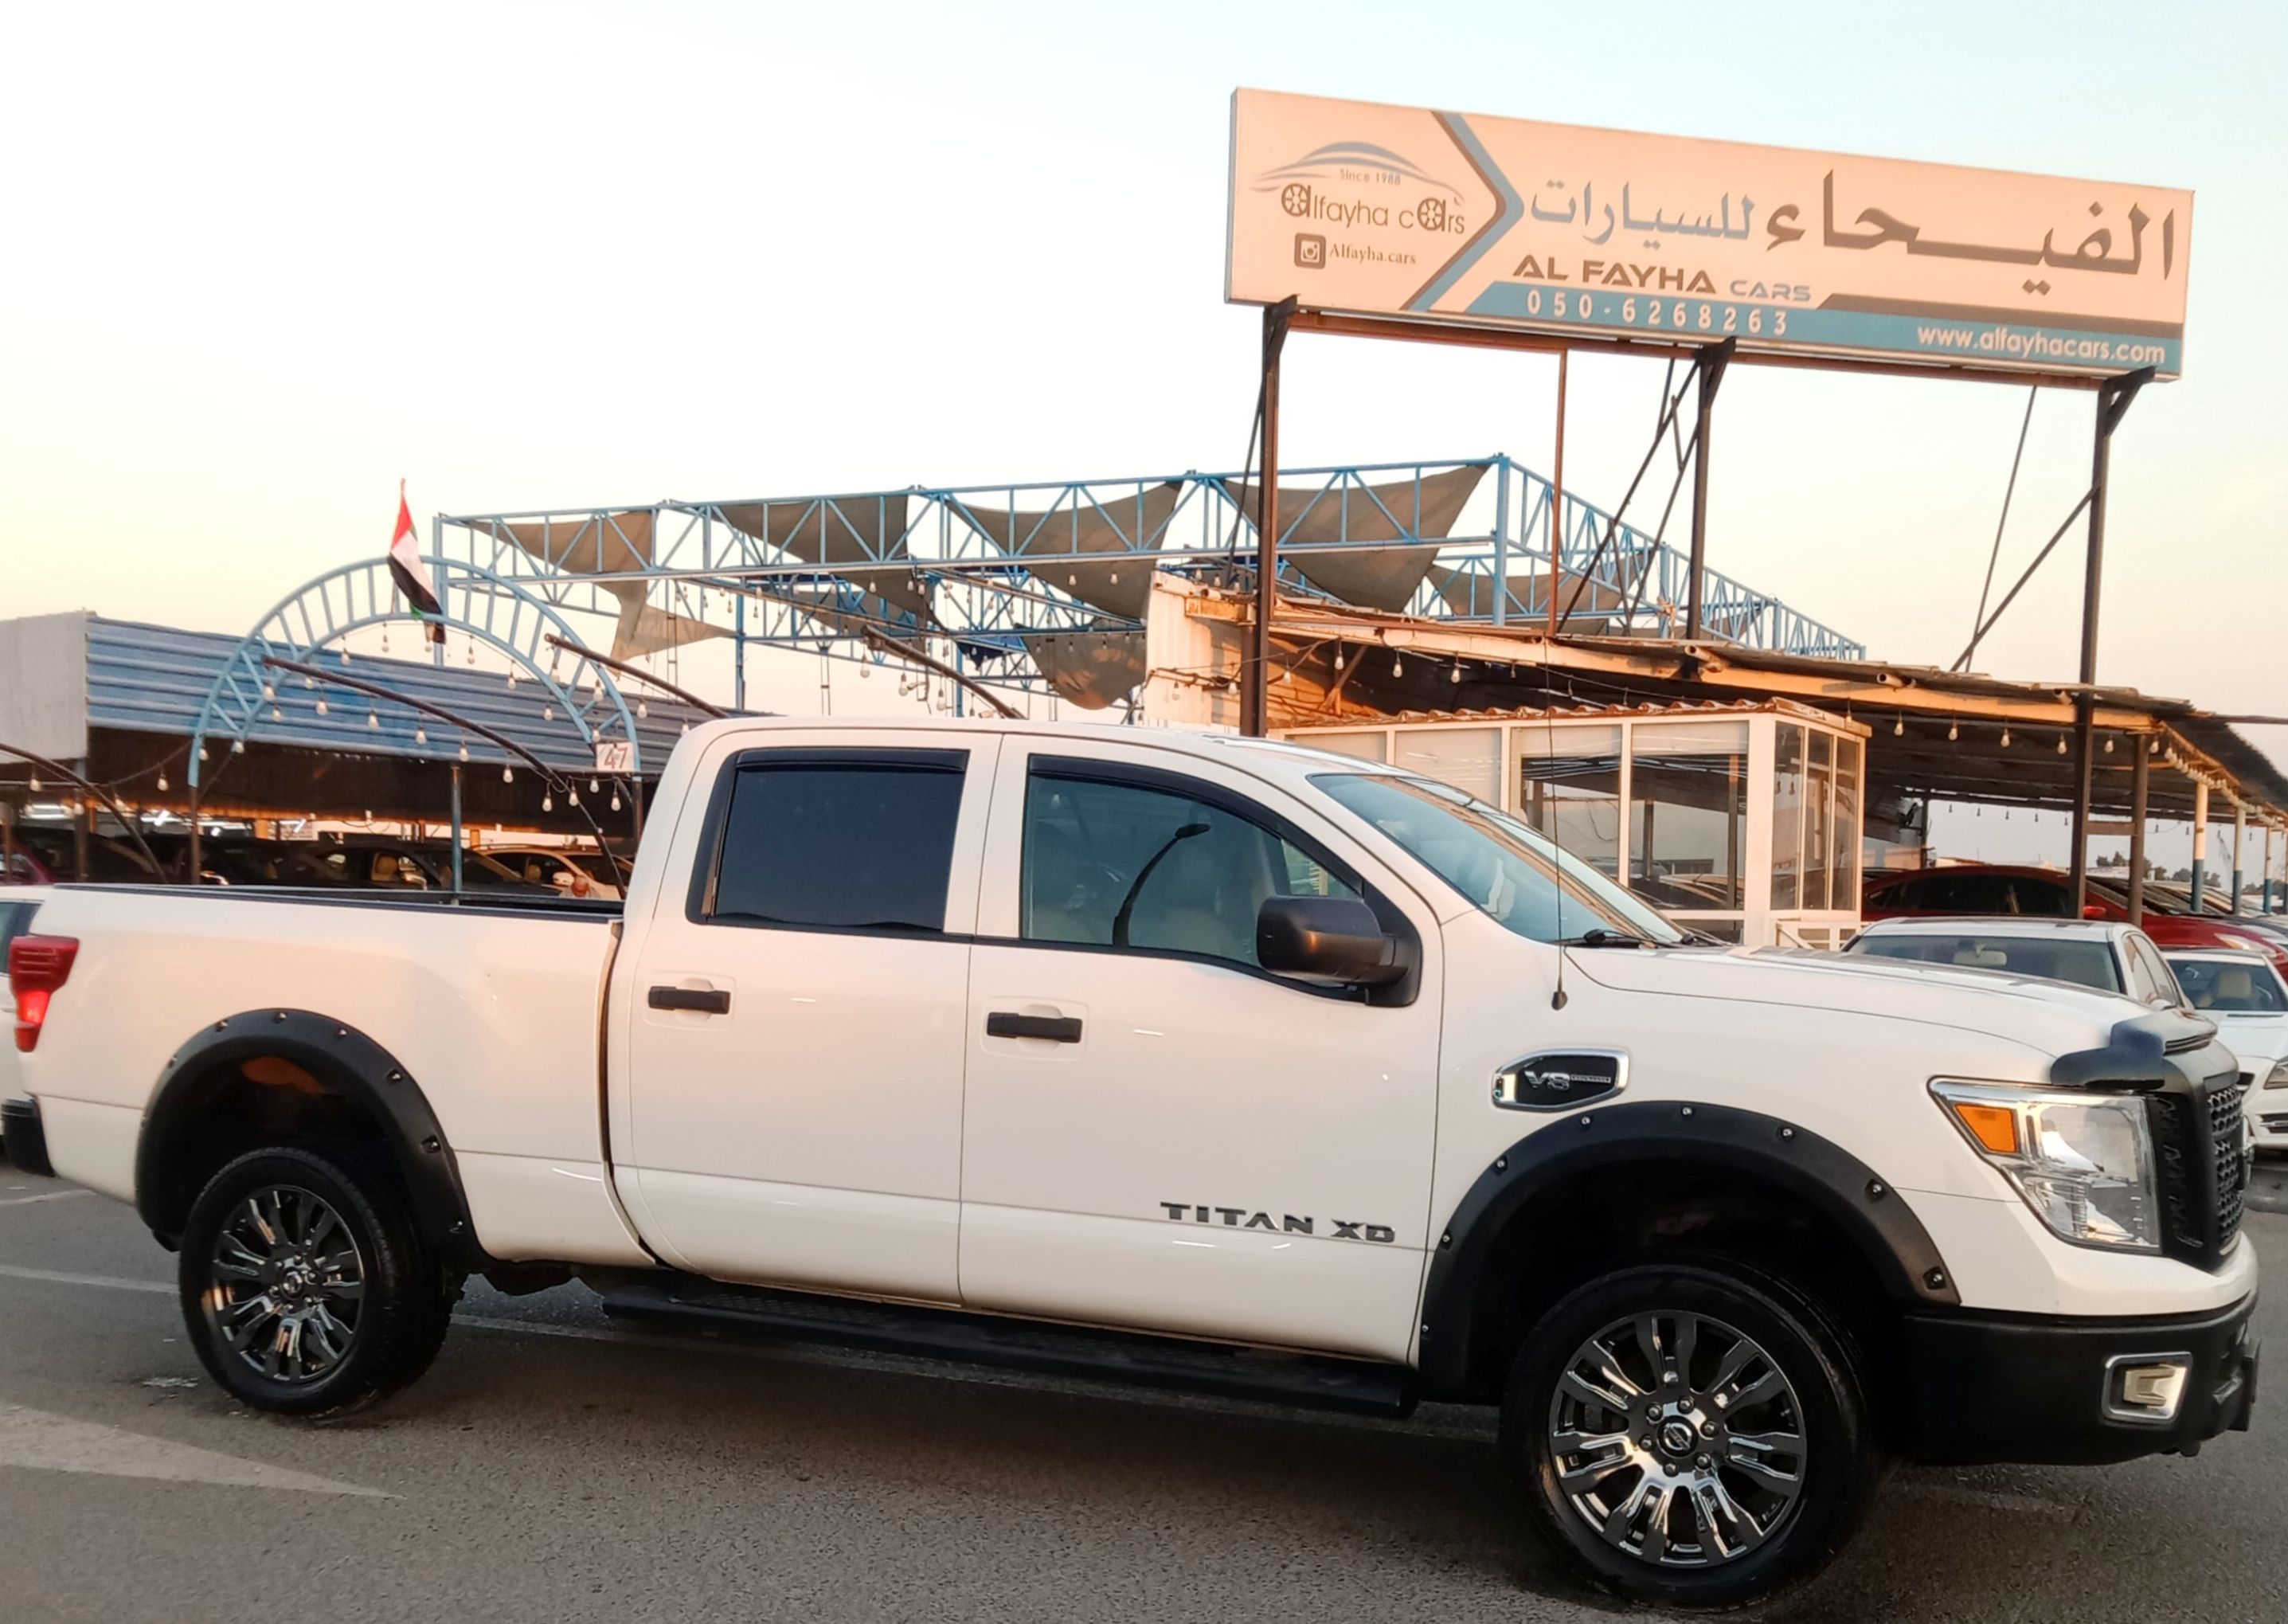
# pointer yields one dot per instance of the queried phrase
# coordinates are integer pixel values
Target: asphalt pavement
(556, 1465)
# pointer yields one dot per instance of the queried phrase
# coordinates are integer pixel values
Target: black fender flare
(347, 1062)
(1866, 1211)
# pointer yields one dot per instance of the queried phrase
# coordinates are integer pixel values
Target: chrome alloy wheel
(286, 1286)
(1678, 1439)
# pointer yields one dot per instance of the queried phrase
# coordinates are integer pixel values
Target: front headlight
(2279, 1077)
(2084, 1162)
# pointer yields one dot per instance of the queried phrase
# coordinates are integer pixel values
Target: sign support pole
(1556, 503)
(1712, 373)
(2113, 399)
(1255, 668)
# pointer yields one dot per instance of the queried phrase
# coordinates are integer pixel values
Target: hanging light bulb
(270, 690)
(35, 785)
(1455, 676)
(592, 786)
(1952, 733)
(162, 784)
(385, 639)
(685, 728)
(643, 709)
(202, 753)
(420, 736)
(2061, 743)
(616, 798)
(1397, 664)
(548, 712)
(321, 707)
(2109, 746)
(277, 714)
(508, 774)
(548, 803)
(2006, 738)
(465, 750)
(1899, 728)
(345, 656)
(238, 747)
(373, 719)
(309, 681)
(573, 796)
(1338, 659)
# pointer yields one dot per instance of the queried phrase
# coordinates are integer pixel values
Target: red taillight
(37, 966)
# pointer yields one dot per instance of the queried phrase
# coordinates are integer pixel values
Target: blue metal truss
(878, 559)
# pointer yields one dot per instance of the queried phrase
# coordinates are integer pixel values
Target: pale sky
(262, 262)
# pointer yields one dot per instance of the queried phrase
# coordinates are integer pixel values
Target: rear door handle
(1056, 1028)
(692, 998)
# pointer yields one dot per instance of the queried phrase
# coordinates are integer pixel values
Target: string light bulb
(548, 803)
(1455, 676)
(270, 690)
(321, 707)
(2061, 743)
(1397, 664)
(465, 750)
(162, 784)
(616, 798)
(1953, 732)
(508, 774)
(420, 736)
(2109, 746)
(1899, 728)
(643, 709)
(2005, 741)
(592, 786)
(573, 795)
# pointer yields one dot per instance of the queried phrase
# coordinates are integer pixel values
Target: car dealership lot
(558, 1465)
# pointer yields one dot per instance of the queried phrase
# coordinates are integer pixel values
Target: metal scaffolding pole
(2239, 841)
(1556, 505)
(2200, 845)
(2139, 770)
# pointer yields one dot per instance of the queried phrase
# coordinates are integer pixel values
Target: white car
(2244, 994)
(575, 872)
(2102, 955)
(16, 910)
(1198, 1060)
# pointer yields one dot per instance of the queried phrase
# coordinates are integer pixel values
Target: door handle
(692, 998)
(1056, 1028)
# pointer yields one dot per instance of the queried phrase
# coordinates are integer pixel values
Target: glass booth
(1742, 822)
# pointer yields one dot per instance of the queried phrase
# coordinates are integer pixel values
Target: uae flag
(411, 575)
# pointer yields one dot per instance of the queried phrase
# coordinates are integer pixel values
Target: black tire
(374, 1341)
(1702, 1555)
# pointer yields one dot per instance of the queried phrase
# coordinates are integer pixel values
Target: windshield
(1511, 873)
(2086, 964)
(2222, 986)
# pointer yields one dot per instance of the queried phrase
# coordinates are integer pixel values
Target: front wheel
(1690, 1434)
(304, 1285)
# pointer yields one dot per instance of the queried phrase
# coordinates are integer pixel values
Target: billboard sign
(1360, 208)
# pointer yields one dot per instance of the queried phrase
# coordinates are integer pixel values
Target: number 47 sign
(616, 755)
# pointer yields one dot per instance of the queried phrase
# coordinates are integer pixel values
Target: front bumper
(1988, 1388)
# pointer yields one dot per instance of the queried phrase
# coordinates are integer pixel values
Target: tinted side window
(844, 843)
(2042, 898)
(1121, 865)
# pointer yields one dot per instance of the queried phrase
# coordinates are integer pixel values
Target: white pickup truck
(1196, 1060)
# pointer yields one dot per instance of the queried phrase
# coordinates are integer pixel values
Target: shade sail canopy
(842, 530)
(1377, 577)
(1470, 593)
(1090, 669)
(1062, 545)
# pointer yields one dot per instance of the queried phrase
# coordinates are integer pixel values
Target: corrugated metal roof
(153, 679)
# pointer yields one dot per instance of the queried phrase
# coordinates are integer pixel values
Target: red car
(1982, 889)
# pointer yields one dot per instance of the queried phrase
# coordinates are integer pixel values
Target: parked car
(366, 863)
(16, 911)
(1207, 1061)
(2043, 893)
(23, 869)
(576, 873)
(2247, 999)
(2104, 956)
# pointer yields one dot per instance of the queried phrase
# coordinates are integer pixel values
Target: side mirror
(1335, 938)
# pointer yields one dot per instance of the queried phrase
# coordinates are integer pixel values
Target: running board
(1359, 1386)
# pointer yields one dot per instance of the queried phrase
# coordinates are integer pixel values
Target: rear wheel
(1692, 1434)
(306, 1288)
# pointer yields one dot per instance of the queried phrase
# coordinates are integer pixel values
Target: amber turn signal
(1994, 1126)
